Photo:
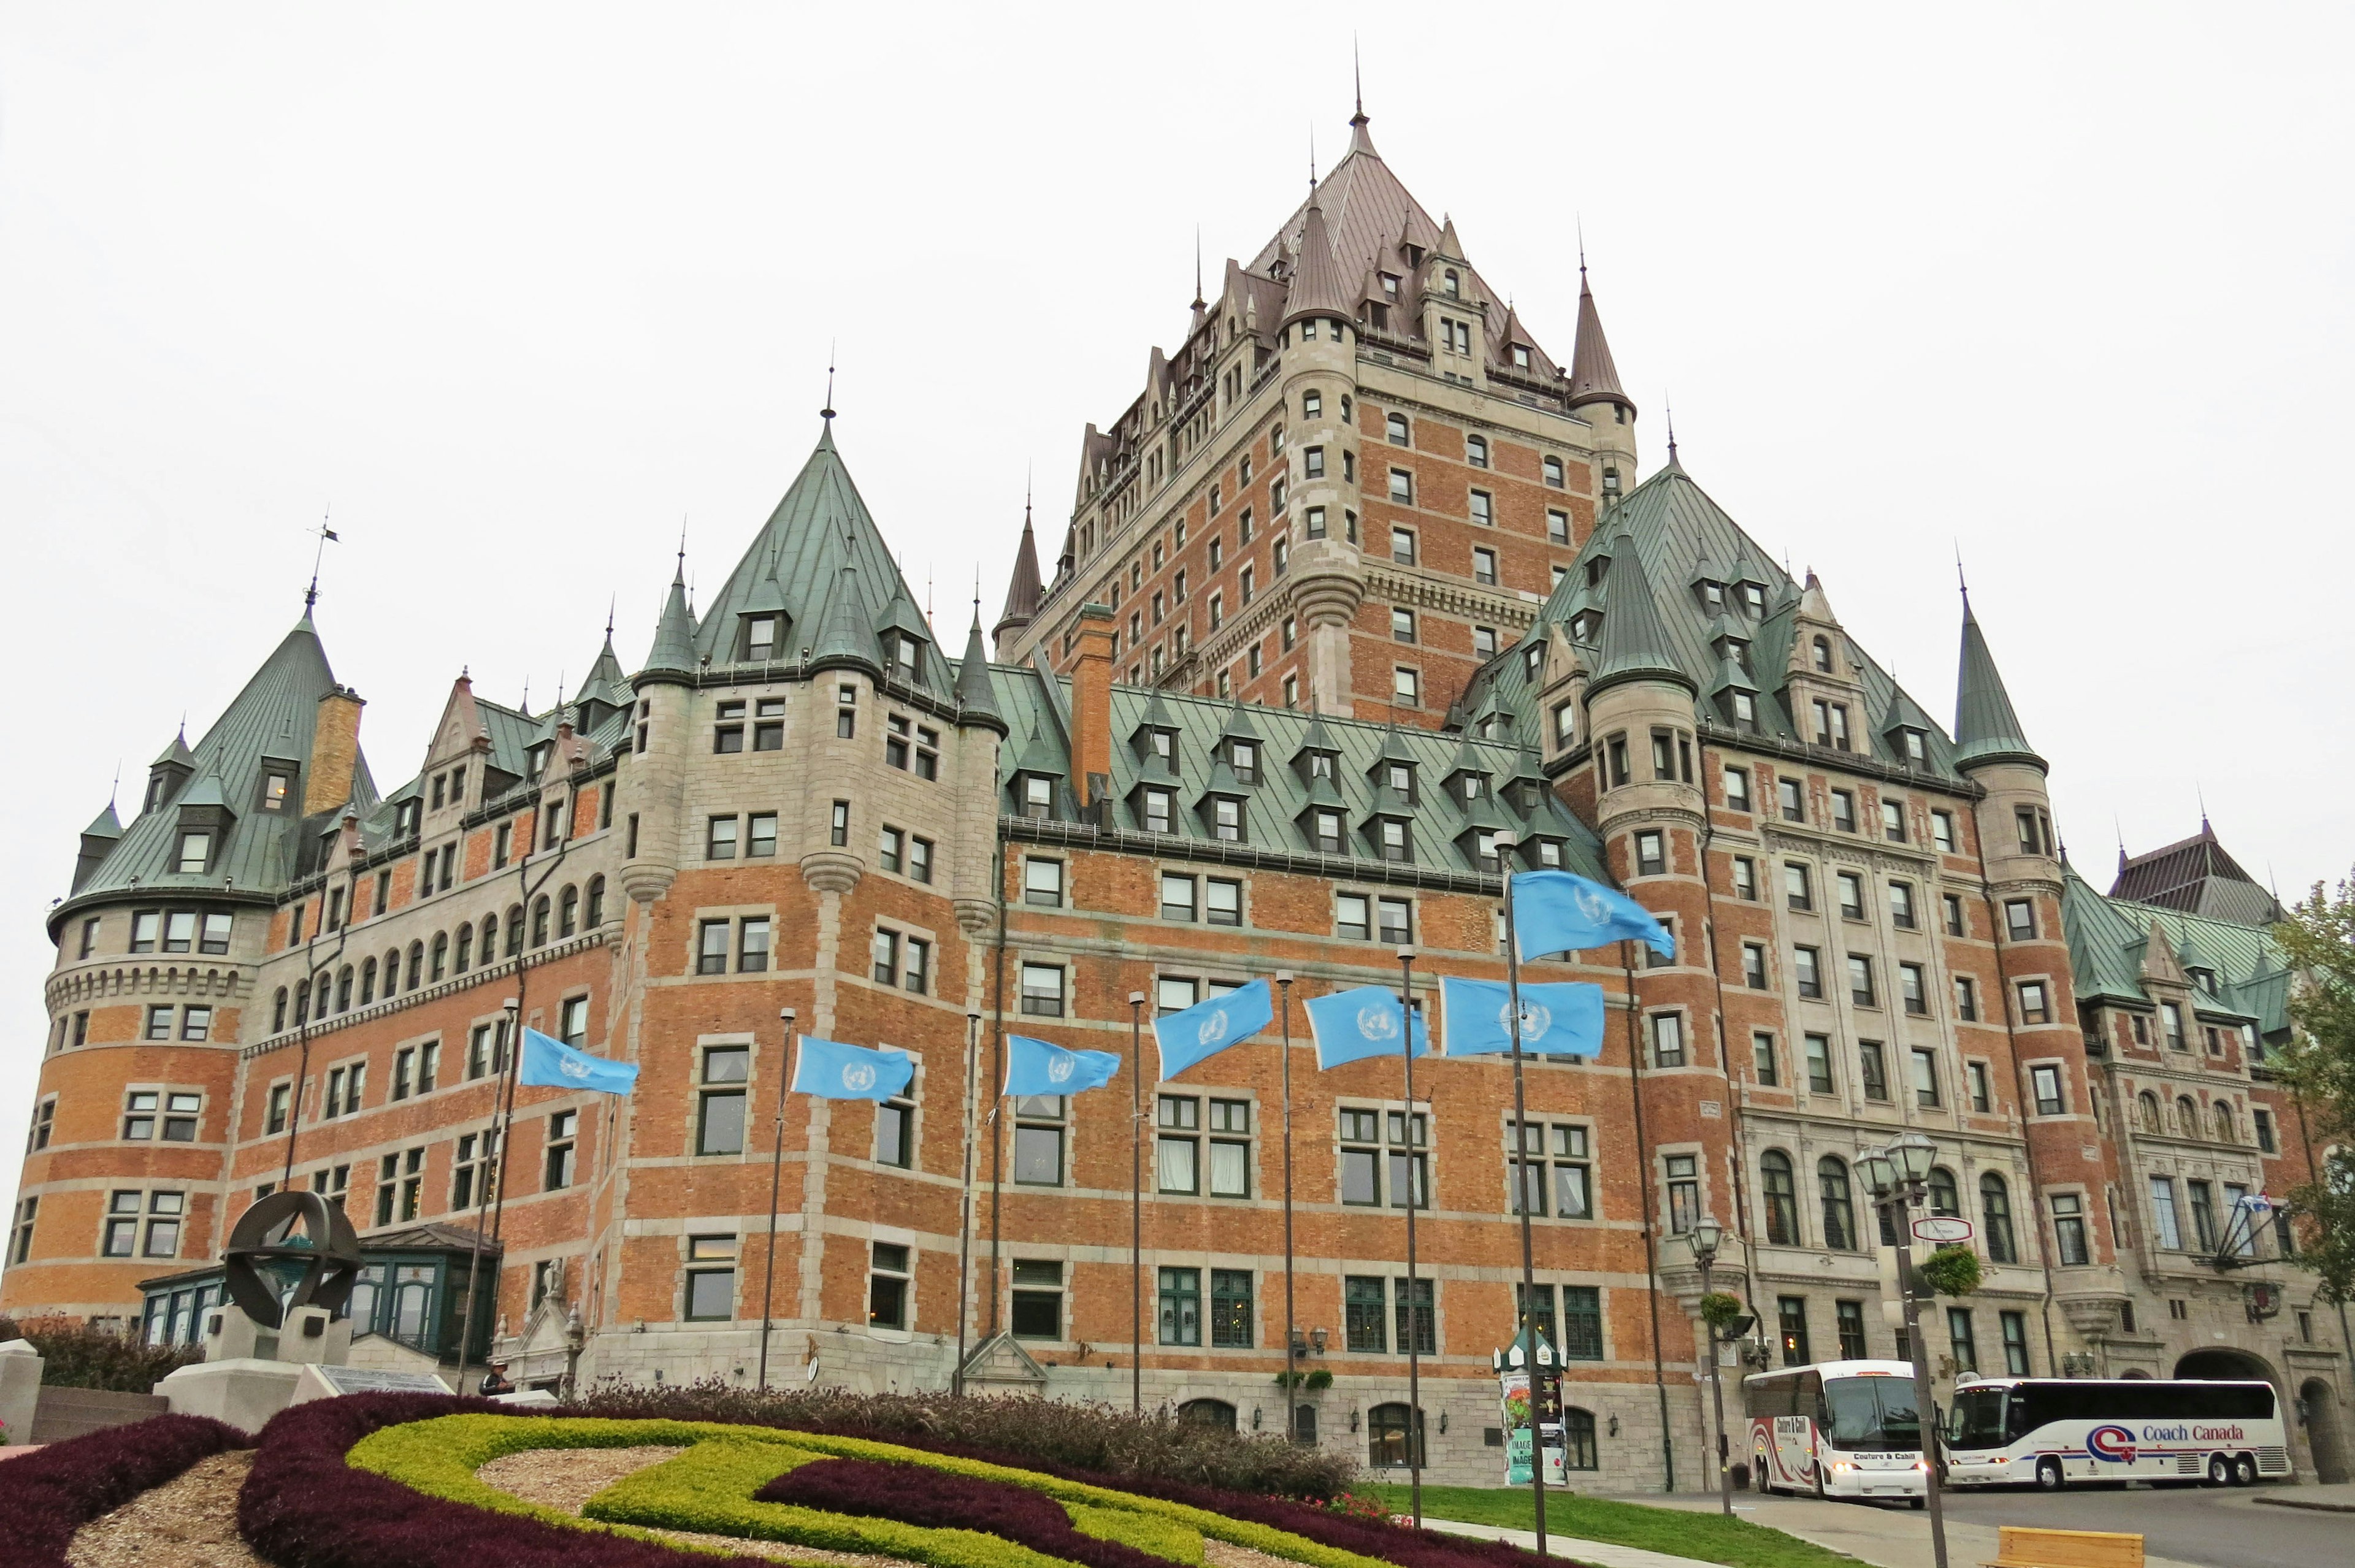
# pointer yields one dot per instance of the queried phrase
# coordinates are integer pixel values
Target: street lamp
(1708, 1235)
(1898, 1177)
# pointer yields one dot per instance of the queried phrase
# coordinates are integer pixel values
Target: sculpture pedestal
(20, 1390)
(241, 1391)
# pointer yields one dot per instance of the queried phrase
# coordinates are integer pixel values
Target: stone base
(239, 1391)
(20, 1390)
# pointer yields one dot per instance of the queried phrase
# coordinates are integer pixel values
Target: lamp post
(1136, 1203)
(776, 1175)
(1413, 1290)
(1707, 1236)
(1898, 1177)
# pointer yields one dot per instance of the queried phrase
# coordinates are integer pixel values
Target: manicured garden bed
(54, 1491)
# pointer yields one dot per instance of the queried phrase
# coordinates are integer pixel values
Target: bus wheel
(2245, 1470)
(2048, 1475)
(2220, 1471)
(1921, 1502)
(1758, 1475)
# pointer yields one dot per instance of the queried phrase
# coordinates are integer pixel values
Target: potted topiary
(1952, 1270)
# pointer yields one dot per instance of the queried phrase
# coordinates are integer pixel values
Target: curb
(2315, 1504)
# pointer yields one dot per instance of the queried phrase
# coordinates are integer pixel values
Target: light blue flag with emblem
(550, 1064)
(833, 1070)
(1556, 911)
(1561, 1018)
(1208, 1028)
(1035, 1067)
(1354, 1024)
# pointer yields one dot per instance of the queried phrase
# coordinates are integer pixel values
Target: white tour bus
(1839, 1429)
(2048, 1432)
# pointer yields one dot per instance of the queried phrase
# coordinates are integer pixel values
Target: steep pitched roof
(974, 688)
(1023, 589)
(2195, 875)
(1634, 639)
(1986, 728)
(673, 649)
(1316, 286)
(2109, 939)
(1593, 379)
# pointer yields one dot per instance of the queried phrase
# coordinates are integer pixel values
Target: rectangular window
(1859, 981)
(1762, 1053)
(720, 838)
(1966, 998)
(1965, 1339)
(888, 1286)
(760, 834)
(1419, 1316)
(2020, 919)
(1231, 1309)
(719, 1118)
(711, 947)
(1668, 1040)
(2069, 1228)
(1745, 878)
(1942, 831)
(1790, 1315)
(1038, 1300)
(1982, 1099)
(1365, 1326)
(710, 1284)
(1683, 1171)
(1874, 1070)
(1754, 965)
(2015, 1343)
(1222, 901)
(2035, 1002)
(1651, 854)
(1925, 1077)
(1180, 1319)
(2171, 1013)
(1892, 821)
(1820, 1064)
(1042, 883)
(557, 1160)
(2044, 1081)
(1912, 988)
(1850, 1317)
(1806, 968)
(751, 949)
(1042, 990)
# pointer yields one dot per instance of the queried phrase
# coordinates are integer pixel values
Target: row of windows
(572, 910)
(1779, 1200)
(169, 931)
(2190, 1124)
(417, 1068)
(1848, 1317)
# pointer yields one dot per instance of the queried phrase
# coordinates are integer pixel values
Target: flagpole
(1413, 1297)
(964, 1203)
(1291, 1356)
(1521, 1136)
(1135, 1201)
(776, 1175)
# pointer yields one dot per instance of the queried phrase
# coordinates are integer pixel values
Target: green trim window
(1181, 1307)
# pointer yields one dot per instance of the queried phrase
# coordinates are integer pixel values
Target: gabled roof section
(276, 715)
(798, 560)
(2110, 939)
(1986, 728)
(2196, 876)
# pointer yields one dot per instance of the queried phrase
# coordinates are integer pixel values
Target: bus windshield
(1976, 1421)
(1871, 1413)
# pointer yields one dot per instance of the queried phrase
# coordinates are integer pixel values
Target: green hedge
(74, 1355)
(709, 1489)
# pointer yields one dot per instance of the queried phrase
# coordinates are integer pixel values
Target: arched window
(1579, 1449)
(1995, 1214)
(344, 990)
(1839, 1205)
(490, 937)
(367, 982)
(1208, 1412)
(1386, 1436)
(2149, 1103)
(515, 930)
(303, 1003)
(2187, 1116)
(2224, 1123)
(1944, 1197)
(1782, 1199)
(278, 1011)
(594, 915)
(465, 948)
(568, 910)
(441, 956)
(416, 965)
(1451, 282)
(539, 922)
(1823, 652)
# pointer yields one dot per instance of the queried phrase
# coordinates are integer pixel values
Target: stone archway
(2222, 1365)
(2319, 1403)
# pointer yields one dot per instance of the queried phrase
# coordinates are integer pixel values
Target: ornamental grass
(940, 1499)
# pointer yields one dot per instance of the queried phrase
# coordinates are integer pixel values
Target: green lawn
(1710, 1537)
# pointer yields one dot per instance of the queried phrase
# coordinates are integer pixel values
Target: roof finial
(1357, 79)
(2200, 792)
(1581, 219)
(680, 576)
(609, 601)
(1199, 302)
(826, 412)
(1960, 580)
(1669, 409)
(115, 789)
(326, 534)
(1312, 160)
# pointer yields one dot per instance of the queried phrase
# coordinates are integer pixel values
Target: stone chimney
(335, 751)
(1092, 708)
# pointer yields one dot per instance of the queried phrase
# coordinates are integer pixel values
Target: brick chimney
(335, 751)
(1092, 706)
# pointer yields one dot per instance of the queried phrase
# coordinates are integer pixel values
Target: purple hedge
(304, 1506)
(54, 1492)
(941, 1499)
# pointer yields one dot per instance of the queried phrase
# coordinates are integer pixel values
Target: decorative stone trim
(832, 870)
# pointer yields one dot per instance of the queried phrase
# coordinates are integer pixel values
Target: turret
(1639, 712)
(1596, 397)
(650, 786)
(1326, 578)
(1023, 591)
(2015, 817)
(98, 842)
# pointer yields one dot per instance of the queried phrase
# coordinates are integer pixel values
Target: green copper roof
(673, 650)
(2108, 939)
(1634, 641)
(105, 825)
(974, 690)
(1986, 728)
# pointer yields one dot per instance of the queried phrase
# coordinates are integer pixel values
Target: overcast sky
(516, 290)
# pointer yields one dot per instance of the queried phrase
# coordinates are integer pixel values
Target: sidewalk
(1886, 1537)
(2337, 1497)
(1602, 1553)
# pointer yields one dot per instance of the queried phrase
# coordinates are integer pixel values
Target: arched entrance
(2319, 1403)
(2227, 1366)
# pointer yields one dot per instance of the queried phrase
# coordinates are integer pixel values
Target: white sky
(515, 290)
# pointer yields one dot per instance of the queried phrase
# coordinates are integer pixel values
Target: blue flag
(833, 1070)
(552, 1064)
(1554, 911)
(1561, 1017)
(1208, 1028)
(1034, 1067)
(1349, 1025)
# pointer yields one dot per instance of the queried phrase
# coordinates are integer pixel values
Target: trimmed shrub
(1952, 1270)
(75, 1355)
(946, 1500)
(1115, 1446)
(55, 1491)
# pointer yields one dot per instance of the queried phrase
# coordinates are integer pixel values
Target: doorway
(2318, 1401)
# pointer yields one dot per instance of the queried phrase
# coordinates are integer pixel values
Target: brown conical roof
(1316, 286)
(1023, 591)
(1593, 378)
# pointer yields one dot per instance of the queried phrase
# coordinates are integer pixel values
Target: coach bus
(1837, 1429)
(2050, 1432)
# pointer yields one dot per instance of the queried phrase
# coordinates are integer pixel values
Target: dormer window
(1392, 840)
(1399, 776)
(1587, 625)
(1164, 743)
(1915, 745)
(405, 816)
(1155, 808)
(1470, 785)
(1713, 598)
(1822, 648)
(1451, 283)
(275, 787)
(906, 654)
(1753, 599)
(1037, 795)
(1226, 818)
(1389, 287)
(1325, 831)
(1597, 570)
(536, 760)
(1741, 710)
(196, 855)
(762, 635)
(1243, 757)
(1520, 357)
(1533, 660)
(1547, 852)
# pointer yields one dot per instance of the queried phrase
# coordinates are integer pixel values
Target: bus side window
(1808, 1399)
(2018, 1417)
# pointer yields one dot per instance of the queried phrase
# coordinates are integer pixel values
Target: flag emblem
(858, 1077)
(1061, 1068)
(573, 1068)
(1376, 1023)
(1536, 1019)
(1213, 1032)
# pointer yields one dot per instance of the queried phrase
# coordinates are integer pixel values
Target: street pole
(1521, 1174)
(965, 1201)
(1898, 1177)
(1705, 1256)
(1136, 1203)
(1290, 1333)
(1414, 1296)
(776, 1175)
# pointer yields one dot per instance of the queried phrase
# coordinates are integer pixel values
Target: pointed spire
(1668, 409)
(1023, 592)
(1360, 141)
(1316, 286)
(176, 755)
(1450, 245)
(1634, 639)
(673, 655)
(974, 690)
(1593, 379)
(846, 638)
(1202, 306)
(1987, 729)
(105, 825)
(826, 413)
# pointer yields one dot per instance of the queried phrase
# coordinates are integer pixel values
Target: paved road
(2222, 1528)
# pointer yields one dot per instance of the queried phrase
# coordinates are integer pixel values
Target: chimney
(1092, 706)
(335, 751)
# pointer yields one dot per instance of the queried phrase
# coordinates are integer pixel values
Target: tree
(2319, 1067)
